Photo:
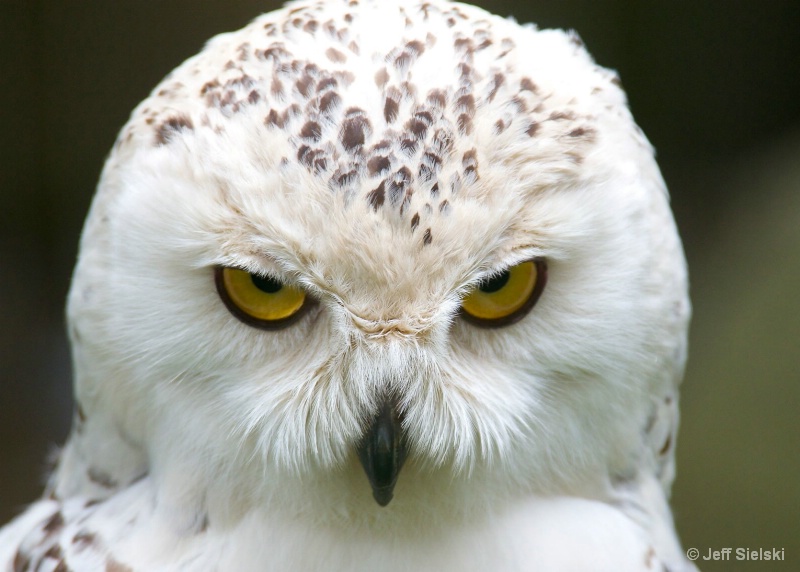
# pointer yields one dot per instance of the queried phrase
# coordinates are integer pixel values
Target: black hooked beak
(382, 451)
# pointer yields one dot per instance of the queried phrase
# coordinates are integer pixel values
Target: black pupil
(266, 284)
(494, 283)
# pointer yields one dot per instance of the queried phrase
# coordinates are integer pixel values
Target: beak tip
(382, 496)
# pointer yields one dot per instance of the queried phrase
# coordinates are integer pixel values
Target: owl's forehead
(403, 119)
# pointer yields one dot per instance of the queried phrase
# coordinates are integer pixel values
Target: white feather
(431, 145)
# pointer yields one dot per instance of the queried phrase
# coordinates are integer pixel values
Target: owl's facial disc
(382, 450)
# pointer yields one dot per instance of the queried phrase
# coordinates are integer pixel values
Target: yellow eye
(257, 300)
(506, 297)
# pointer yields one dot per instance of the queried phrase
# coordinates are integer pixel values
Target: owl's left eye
(506, 297)
(259, 301)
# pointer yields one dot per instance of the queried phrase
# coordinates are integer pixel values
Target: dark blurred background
(716, 87)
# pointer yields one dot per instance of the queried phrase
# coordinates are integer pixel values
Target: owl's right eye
(259, 301)
(505, 298)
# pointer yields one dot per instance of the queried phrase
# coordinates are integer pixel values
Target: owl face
(432, 246)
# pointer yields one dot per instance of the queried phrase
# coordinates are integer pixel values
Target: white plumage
(389, 166)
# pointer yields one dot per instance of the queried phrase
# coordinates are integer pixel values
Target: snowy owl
(373, 285)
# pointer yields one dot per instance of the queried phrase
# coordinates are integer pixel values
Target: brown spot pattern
(171, 127)
(416, 141)
(22, 562)
(84, 539)
(54, 523)
(377, 196)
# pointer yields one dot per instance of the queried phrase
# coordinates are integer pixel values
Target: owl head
(413, 240)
